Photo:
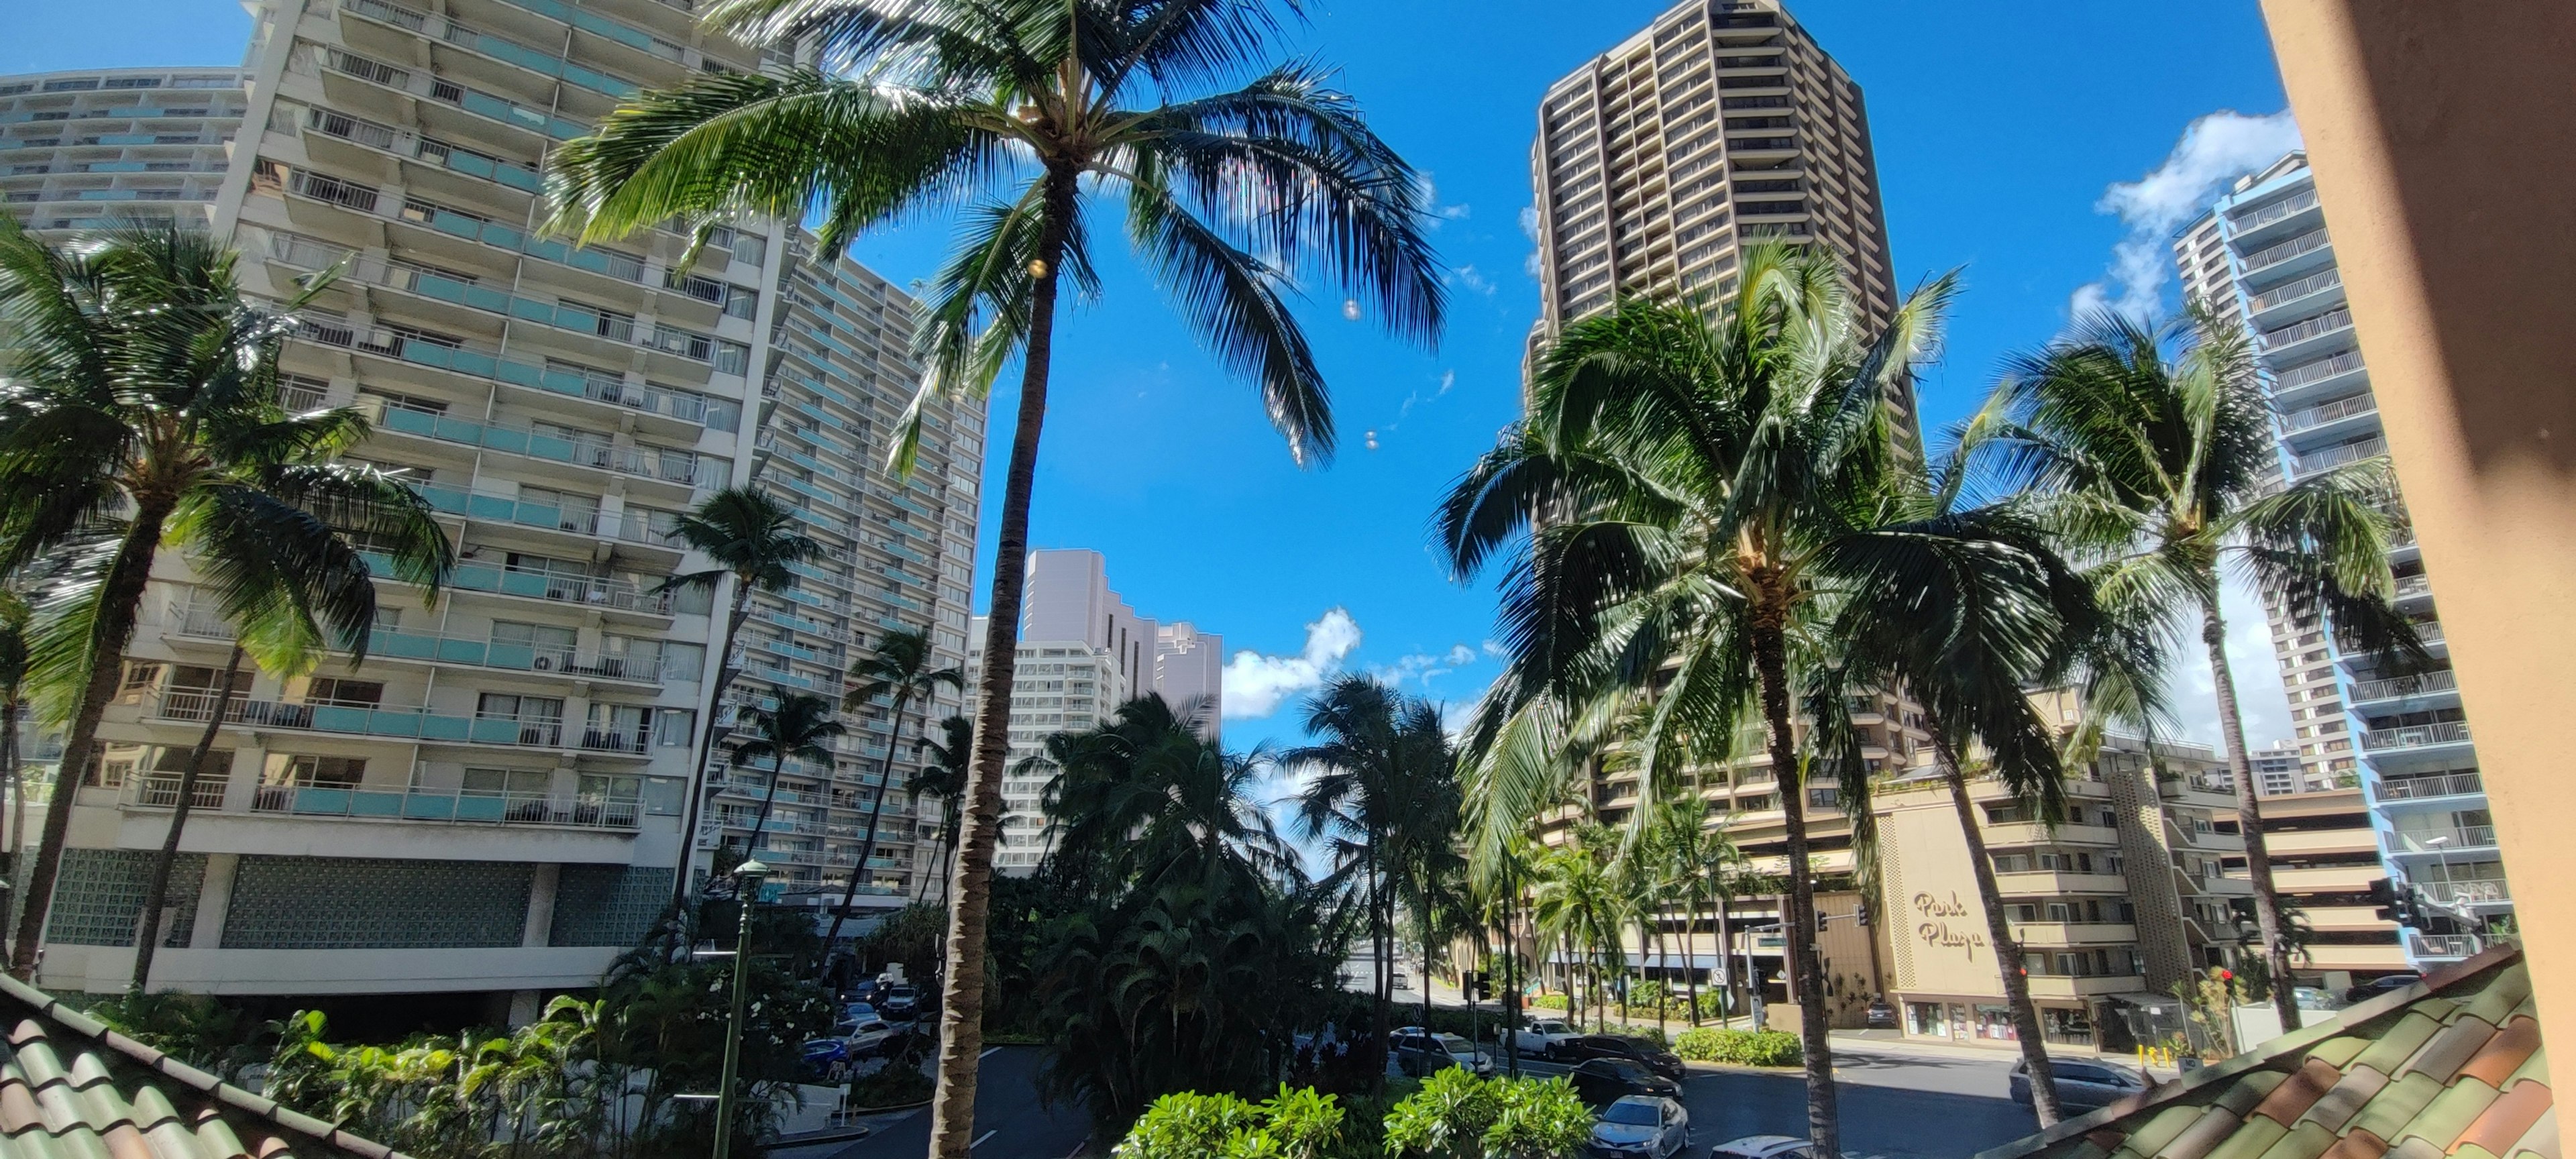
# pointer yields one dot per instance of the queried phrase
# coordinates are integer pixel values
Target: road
(1895, 1105)
(1009, 1122)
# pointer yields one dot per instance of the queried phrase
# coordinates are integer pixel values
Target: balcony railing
(2305, 373)
(208, 622)
(2416, 736)
(2472, 892)
(2444, 945)
(464, 807)
(162, 792)
(2339, 318)
(2422, 788)
(2442, 840)
(2300, 202)
(670, 466)
(2319, 415)
(2316, 461)
(533, 59)
(2396, 686)
(2270, 256)
(562, 587)
(2315, 283)
(484, 360)
(634, 526)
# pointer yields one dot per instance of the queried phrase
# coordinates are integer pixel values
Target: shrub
(891, 1086)
(1655, 1033)
(1459, 1116)
(1294, 1124)
(1647, 993)
(1739, 1047)
(1545, 1002)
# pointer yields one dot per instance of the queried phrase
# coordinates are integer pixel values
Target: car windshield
(1456, 1045)
(1633, 1114)
(1622, 1068)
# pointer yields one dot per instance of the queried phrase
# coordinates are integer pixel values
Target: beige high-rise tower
(1721, 124)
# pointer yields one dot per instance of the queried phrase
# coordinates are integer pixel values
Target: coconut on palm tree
(798, 728)
(1718, 490)
(1234, 199)
(899, 673)
(139, 408)
(752, 539)
(2152, 455)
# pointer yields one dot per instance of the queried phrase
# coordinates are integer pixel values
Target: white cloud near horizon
(2212, 151)
(2261, 701)
(1257, 684)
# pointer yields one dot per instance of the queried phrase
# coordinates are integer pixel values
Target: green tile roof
(70, 1088)
(2450, 1067)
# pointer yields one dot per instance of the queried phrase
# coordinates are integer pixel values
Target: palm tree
(1718, 489)
(900, 673)
(2153, 455)
(1144, 799)
(752, 538)
(1382, 790)
(797, 728)
(1697, 854)
(943, 779)
(1577, 903)
(140, 408)
(1230, 198)
(14, 615)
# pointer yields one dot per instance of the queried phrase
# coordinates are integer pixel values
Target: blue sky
(2000, 129)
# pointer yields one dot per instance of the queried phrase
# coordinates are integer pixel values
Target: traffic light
(2392, 906)
(1472, 986)
(1820, 921)
(1863, 915)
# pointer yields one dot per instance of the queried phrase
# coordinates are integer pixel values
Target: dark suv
(1645, 1052)
(1603, 1081)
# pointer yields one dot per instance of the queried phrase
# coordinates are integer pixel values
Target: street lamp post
(747, 879)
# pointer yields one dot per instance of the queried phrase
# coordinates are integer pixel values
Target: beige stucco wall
(1937, 931)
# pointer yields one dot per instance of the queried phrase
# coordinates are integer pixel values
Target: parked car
(866, 1036)
(828, 1058)
(1657, 1128)
(1419, 1054)
(2383, 984)
(1763, 1147)
(2081, 1086)
(1602, 1081)
(1647, 1051)
(858, 1012)
(902, 1002)
(2319, 999)
(1537, 1037)
(1398, 981)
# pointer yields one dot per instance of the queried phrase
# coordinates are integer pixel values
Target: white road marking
(979, 1139)
(989, 1052)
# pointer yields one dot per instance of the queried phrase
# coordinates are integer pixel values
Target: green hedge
(1739, 1047)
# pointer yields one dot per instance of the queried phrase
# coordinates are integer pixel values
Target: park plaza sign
(1946, 923)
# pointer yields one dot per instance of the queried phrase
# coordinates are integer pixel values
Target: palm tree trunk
(961, 1011)
(1725, 959)
(2249, 819)
(1771, 664)
(777, 770)
(157, 894)
(707, 737)
(868, 846)
(17, 772)
(1426, 964)
(1690, 955)
(2025, 1014)
(118, 599)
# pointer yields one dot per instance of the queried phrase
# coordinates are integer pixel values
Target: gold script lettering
(1941, 934)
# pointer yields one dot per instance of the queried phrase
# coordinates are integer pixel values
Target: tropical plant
(942, 778)
(1576, 902)
(139, 407)
(752, 539)
(2151, 455)
(1231, 198)
(1716, 489)
(1293, 1124)
(1706, 864)
(1459, 1116)
(799, 728)
(1381, 791)
(1196, 950)
(900, 672)
(1738, 1047)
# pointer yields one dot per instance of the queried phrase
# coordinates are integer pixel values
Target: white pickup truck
(1537, 1037)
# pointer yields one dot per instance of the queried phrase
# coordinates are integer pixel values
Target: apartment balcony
(2332, 422)
(2300, 342)
(2418, 739)
(461, 807)
(2050, 883)
(483, 360)
(2488, 894)
(2305, 383)
(206, 622)
(2267, 224)
(408, 723)
(673, 466)
(2317, 462)
(2282, 260)
(2287, 301)
(2203, 789)
(588, 591)
(2442, 947)
(2058, 935)
(2437, 790)
(398, 20)
(2046, 986)
(2439, 843)
(441, 102)
(2007, 834)
(2312, 879)
(587, 524)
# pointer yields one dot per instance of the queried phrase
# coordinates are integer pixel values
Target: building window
(1931, 1019)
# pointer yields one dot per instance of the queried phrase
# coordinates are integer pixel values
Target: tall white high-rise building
(2262, 254)
(1084, 651)
(81, 149)
(494, 804)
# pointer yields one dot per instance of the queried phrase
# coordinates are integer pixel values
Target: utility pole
(746, 891)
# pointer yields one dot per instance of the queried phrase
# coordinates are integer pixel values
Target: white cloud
(1495, 649)
(1529, 229)
(1256, 685)
(1468, 277)
(1424, 667)
(1439, 212)
(2213, 151)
